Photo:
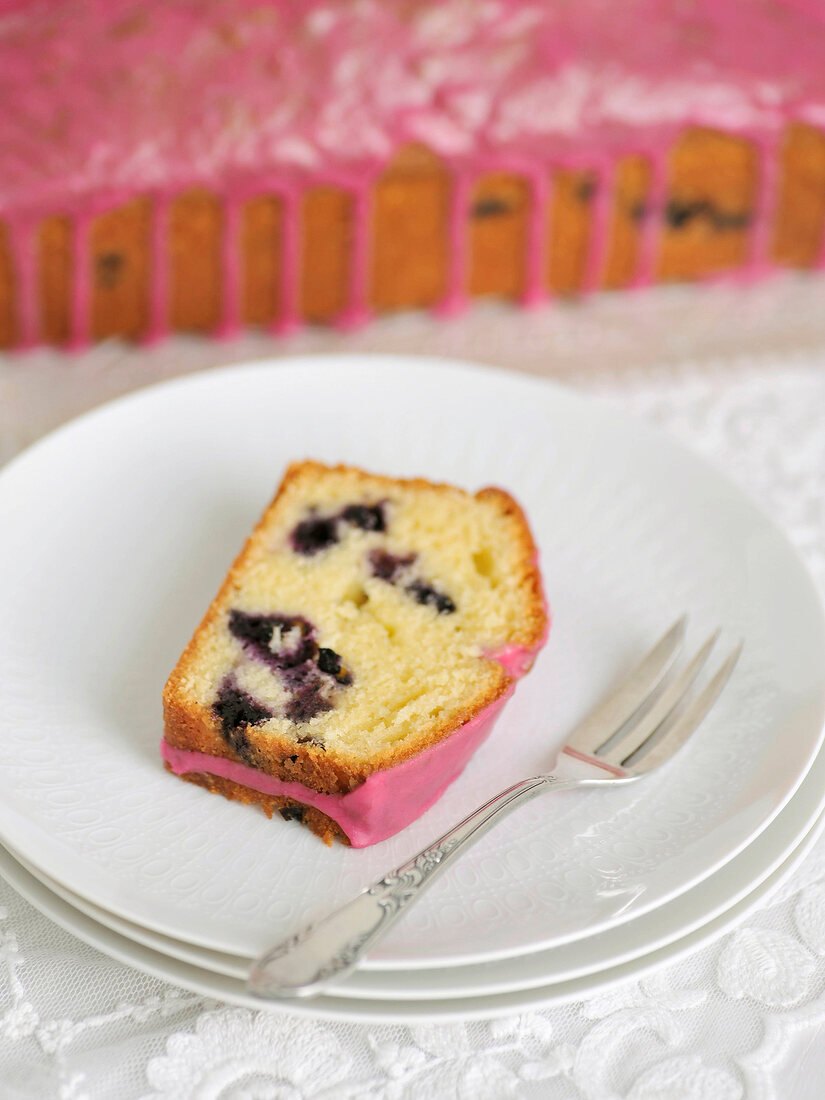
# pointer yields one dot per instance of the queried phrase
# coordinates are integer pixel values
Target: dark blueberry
(678, 214)
(292, 813)
(639, 211)
(313, 535)
(723, 220)
(286, 644)
(236, 710)
(296, 677)
(254, 629)
(369, 517)
(281, 641)
(425, 594)
(586, 190)
(306, 705)
(318, 533)
(292, 642)
(389, 567)
(306, 699)
(330, 662)
(108, 268)
(240, 744)
(490, 208)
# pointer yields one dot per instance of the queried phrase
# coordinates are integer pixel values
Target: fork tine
(618, 748)
(612, 713)
(684, 726)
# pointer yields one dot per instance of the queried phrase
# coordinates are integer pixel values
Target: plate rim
(528, 383)
(350, 988)
(207, 984)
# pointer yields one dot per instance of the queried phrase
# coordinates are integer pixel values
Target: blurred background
(573, 190)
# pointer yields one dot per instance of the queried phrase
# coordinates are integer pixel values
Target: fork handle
(329, 950)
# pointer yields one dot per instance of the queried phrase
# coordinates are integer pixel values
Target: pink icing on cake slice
(388, 800)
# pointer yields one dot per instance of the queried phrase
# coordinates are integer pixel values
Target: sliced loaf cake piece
(358, 651)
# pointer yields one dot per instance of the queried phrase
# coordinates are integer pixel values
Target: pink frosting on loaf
(111, 94)
(107, 99)
(387, 801)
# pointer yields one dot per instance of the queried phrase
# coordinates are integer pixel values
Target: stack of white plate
(116, 532)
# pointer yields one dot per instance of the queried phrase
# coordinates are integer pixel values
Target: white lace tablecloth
(738, 375)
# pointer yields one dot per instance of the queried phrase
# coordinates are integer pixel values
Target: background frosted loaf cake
(208, 165)
(359, 650)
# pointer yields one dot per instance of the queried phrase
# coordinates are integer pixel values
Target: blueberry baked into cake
(359, 650)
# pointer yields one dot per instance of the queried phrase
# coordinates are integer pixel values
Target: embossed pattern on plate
(118, 529)
(584, 957)
(397, 1010)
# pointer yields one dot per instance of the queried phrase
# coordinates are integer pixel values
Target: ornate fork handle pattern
(332, 948)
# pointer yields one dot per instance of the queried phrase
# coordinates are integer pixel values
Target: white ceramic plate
(116, 533)
(586, 956)
(209, 984)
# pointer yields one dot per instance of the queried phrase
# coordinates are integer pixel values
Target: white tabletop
(739, 375)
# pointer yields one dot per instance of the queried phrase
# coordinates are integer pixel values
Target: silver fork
(634, 730)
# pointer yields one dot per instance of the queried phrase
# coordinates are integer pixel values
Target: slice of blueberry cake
(359, 650)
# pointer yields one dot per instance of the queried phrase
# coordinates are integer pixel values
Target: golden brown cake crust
(704, 223)
(120, 257)
(323, 826)
(194, 727)
(195, 291)
(54, 249)
(261, 248)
